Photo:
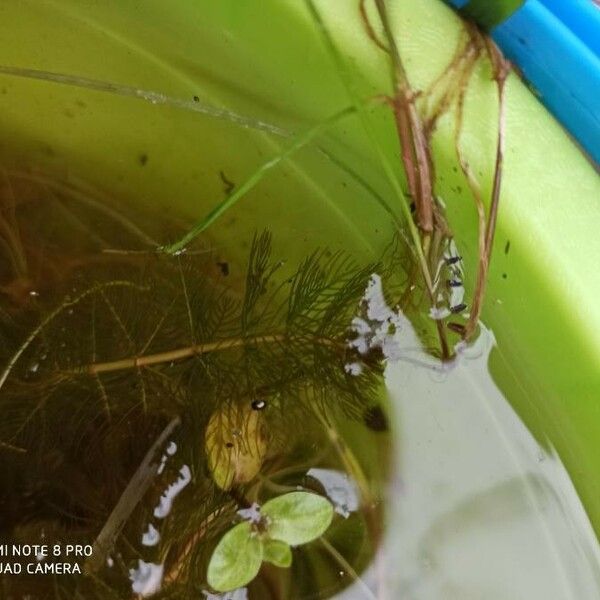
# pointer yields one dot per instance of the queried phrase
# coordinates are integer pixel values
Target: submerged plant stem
(349, 460)
(194, 350)
(347, 567)
(68, 303)
(86, 197)
(10, 239)
(355, 471)
(174, 573)
(133, 493)
(12, 448)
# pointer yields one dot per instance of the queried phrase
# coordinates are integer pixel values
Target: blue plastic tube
(582, 17)
(556, 45)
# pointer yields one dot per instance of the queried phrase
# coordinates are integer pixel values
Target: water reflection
(478, 509)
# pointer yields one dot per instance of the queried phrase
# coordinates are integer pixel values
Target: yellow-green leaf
(298, 517)
(236, 444)
(277, 552)
(236, 560)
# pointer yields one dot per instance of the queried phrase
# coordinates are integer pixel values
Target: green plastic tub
(131, 119)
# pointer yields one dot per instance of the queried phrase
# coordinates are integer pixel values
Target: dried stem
(414, 138)
(457, 73)
(415, 153)
(416, 158)
(362, 7)
(501, 70)
(473, 186)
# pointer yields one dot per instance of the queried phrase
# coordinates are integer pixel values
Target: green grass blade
(298, 142)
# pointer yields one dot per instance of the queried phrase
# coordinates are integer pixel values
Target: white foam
(354, 368)
(146, 580)
(439, 313)
(166, 500)
(251, 514)
(378, 329)
(170, 451)
(340, 489)
(457, 295)
(151, 536)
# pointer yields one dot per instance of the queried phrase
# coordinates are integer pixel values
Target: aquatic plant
(226, 369)
(293, 519)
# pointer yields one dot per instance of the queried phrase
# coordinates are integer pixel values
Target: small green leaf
(277, 553)
(298, 517)
(236, 560)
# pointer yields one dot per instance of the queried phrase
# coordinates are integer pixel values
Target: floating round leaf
(298, 517)
(236, 444)
(236, 560)
(277, 552)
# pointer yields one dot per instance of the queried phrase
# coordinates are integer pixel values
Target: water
(150, 403)
(481, 509)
